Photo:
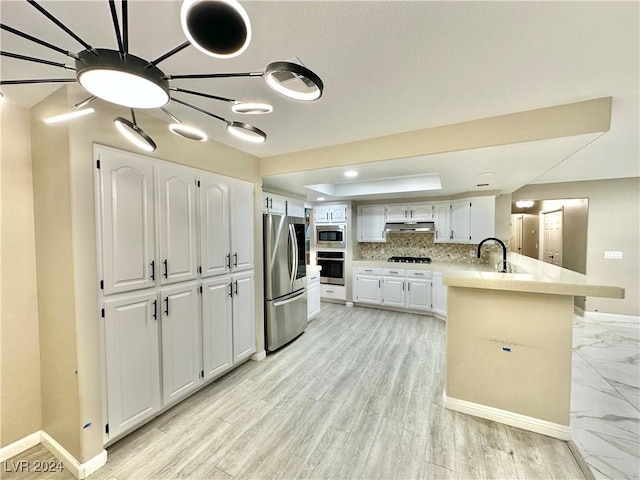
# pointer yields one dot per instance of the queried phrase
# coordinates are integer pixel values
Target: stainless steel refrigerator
(285, 279)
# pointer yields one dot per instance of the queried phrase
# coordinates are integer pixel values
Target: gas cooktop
(409, 259)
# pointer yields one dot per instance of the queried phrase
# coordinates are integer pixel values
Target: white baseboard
(349, 304)
(613, 317)
(19, 446)
(555, 430)
(257, 357)
(77, 469)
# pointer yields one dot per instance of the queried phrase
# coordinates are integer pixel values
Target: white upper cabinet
(241, 225)
(465, 221)
(276, 204)
(421, 212)
(371, 220)
(330, 214)
(180, 341)
(441, 218)
(295, 208)
(396, 213)
(178, 245)
(215, 247)
(483, 218)
(461, 221)
(127, 213)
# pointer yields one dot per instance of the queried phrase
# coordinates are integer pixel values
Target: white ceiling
(388, 67)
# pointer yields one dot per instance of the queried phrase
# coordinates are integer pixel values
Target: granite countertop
(529, 275)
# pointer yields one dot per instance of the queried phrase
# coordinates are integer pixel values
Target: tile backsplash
(420, 245)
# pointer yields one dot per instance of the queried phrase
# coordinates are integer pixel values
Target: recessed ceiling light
(486, 174)
(320, 199)
(524, 203)
(350, 173)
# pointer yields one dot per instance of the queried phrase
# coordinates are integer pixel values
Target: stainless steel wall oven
(332, 264)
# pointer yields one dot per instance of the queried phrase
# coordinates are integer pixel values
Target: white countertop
(530, 275)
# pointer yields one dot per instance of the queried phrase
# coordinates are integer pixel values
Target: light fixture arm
(39, 80)
(36, 60)
(125, 26)
(171, 115)
(171, 52)
(200, 94)
(201, 110)
(215, 75)
(116, 27)
(38, 41)
(84, 103)
(42, 10)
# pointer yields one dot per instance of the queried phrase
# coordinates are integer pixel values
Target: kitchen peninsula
(509, 339)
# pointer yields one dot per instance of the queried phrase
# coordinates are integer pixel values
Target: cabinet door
(217, 326)
(371, 224)
(244, 322)
(322, 214)
(313, 301)
(274, 204)
(132, 361)
(338, 214)
(394, 294)
(419, 294)
(215, 248)
(397, 213)
(242, 225)
(441, 219)
(127, 214)
(180, 341)
(421, 212)
(439, 295)
(461, 221)
(177, 192)
(369, 289)
(295, 208)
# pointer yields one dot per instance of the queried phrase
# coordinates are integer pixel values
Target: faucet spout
(504, 251)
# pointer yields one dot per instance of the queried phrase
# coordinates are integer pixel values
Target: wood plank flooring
(358, 395)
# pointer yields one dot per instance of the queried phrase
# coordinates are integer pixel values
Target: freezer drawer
(286, 318)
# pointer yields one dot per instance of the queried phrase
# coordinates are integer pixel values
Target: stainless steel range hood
(408, 227)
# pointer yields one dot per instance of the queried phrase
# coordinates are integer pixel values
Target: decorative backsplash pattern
(421, 245)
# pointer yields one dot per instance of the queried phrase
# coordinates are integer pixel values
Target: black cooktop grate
(409, 259)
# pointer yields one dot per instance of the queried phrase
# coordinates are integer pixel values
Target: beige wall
(613, 224)
(64, 171)
(20, 409)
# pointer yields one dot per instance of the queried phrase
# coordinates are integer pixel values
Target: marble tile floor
(605, 396)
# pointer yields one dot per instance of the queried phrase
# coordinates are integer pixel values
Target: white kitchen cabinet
(393, 293)
(419, 295)
(295, 208)
(396, 213)
(460, 222)
(324, 214)
(313, 295)
(368, 289)
(215, 248)
(180, 341)
(177, 218)
(333, 292)
(483, 218)
(439, 295)
(421, 212)
(441, 219)
(132, 360)
(241, 225)
(244, 322)
(272, 203)
(371, 221)
(217, 326)
(127, 211)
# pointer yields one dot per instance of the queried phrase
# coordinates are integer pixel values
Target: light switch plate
(612, 254)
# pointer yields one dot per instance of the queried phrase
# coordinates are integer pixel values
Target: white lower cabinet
(217, 326)
(181, 356)
(439, 295)
(244, 318)
(419, 294)
(393, 292)
(368, 289)
(313, 295)
(132, 360)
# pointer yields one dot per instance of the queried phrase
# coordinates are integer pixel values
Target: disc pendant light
(133, 133)
(219, 28)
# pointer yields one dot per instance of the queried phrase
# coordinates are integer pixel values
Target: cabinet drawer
(368, 271)
(336, 292)
(394, 272)
(419, 274)
(313, 278)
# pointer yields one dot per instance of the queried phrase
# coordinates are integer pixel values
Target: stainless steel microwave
(331, 236)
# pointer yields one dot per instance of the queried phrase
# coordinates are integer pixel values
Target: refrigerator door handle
(289, 300)
(293, 252)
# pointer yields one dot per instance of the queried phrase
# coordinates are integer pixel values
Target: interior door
(552, 237)
(516, 233)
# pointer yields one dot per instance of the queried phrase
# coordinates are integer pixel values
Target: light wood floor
(358, 395)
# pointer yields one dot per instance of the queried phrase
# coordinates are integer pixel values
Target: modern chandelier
(218, 28)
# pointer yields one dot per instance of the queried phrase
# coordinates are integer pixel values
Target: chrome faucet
(504, 252)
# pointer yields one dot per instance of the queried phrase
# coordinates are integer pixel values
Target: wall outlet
(613, 254)
(472, 253)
